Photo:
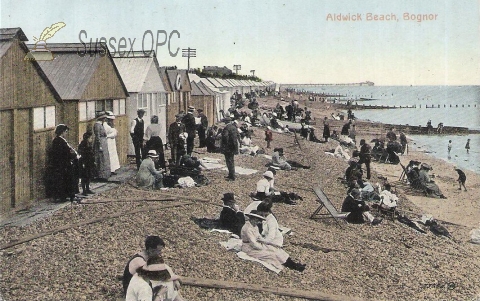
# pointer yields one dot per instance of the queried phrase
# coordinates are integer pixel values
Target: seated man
(148, 176)
(191, 162)
(279, 160)
(153, 247)
(231, 218)
(357, 209)
(388, 199)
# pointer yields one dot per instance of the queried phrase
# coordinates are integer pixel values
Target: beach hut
(146, 88)
(221, 98)
(29, 111)
(203, 98)
(180, 85)
(88, 82)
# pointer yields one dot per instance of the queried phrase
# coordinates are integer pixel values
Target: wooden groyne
(372, 107)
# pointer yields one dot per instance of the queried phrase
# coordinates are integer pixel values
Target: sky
(284, 41)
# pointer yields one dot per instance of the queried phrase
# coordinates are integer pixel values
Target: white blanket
(243, 171)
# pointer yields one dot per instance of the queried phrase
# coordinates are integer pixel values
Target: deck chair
(391, 213)
(325, 202)
(403, 176)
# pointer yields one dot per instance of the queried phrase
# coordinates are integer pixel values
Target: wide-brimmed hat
(355, 193)
(268, 174)
(101, 115)
(152, 154)
(229, 196)
(254, 214)
(426, 166)
(191, 109)
(110, 115)
(154, 267)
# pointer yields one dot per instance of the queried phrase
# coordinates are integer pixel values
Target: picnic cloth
(211, 163)
(243, 171)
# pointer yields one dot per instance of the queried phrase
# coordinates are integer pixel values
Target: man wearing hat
(357, 210)
(230, 143)
(202, 128)
(174, 131)
(190, 127)
(100, 148)
(137, 130)
(147, 175)
(231, 218)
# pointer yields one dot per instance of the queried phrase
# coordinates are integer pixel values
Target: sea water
(452, 106)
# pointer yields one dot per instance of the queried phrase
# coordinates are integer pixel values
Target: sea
(450, 105)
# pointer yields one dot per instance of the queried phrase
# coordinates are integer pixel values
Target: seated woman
(265, 186)
(253, 246)
(388, 199)
(148, 176)
(429, 184)
(154, 281)
(231, 218)
(271, 234)
(246, 145)
(357, 209)
(279, 160)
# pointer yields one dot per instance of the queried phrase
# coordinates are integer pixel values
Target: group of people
(259, 231)
(96, 158)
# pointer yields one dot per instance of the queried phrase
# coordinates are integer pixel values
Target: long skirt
(156, 143)
(275, 256)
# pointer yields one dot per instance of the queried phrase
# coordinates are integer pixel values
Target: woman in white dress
(112, 143)
(271, 234)
(253, 246)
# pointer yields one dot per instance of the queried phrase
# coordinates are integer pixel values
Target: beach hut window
(116, 106)
(43, 117)
(99, 105)
(82, 110)
(122, 106)
(109, 105)
(90, 110)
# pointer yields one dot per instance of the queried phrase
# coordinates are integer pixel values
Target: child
(268, 136)
(449, 146)
(467, 146)
(462, 178)
(86, 162)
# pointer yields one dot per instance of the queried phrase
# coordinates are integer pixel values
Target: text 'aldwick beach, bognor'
(412, 17)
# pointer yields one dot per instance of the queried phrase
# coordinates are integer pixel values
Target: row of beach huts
(35, 96)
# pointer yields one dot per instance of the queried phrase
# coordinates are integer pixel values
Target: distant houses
(219, 71)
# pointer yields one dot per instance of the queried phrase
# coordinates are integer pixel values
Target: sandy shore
(387, 262)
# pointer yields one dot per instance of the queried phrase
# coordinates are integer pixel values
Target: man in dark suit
(231, 218)
(230, 142)
(174, 131)
(190, 127)
(202, 128)
(137, 129)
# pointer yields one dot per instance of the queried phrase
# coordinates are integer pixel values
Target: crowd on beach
(146, 276)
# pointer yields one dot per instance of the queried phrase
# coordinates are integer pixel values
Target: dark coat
(356, 209)
(87, 160)
(230, 139)
(190, 126)
(60, 182)
(231, 220)
(174, 131)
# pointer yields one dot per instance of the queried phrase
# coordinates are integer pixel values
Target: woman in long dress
(253, 246)
(60, 178)
(153, 141)
(112, 141)
(431, 187)
(100, 148)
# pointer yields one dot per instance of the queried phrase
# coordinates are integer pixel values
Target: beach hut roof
(194, 78)
(196, 91)
(135, 69)
(11, 33)
(216, 82)
(185, 82)
(205, 90)
(205, 82)
(71, 72)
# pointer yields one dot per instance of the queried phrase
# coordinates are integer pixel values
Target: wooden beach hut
(203, 98)
(181, 91)
(29, 111)
(88, 82)
(144, 83)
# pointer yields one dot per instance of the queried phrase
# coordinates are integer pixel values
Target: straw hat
(268, 174)
(110, 115)
(191, 109)
(254, 214)
(101, 115)
(154, 267)
(152, 154)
